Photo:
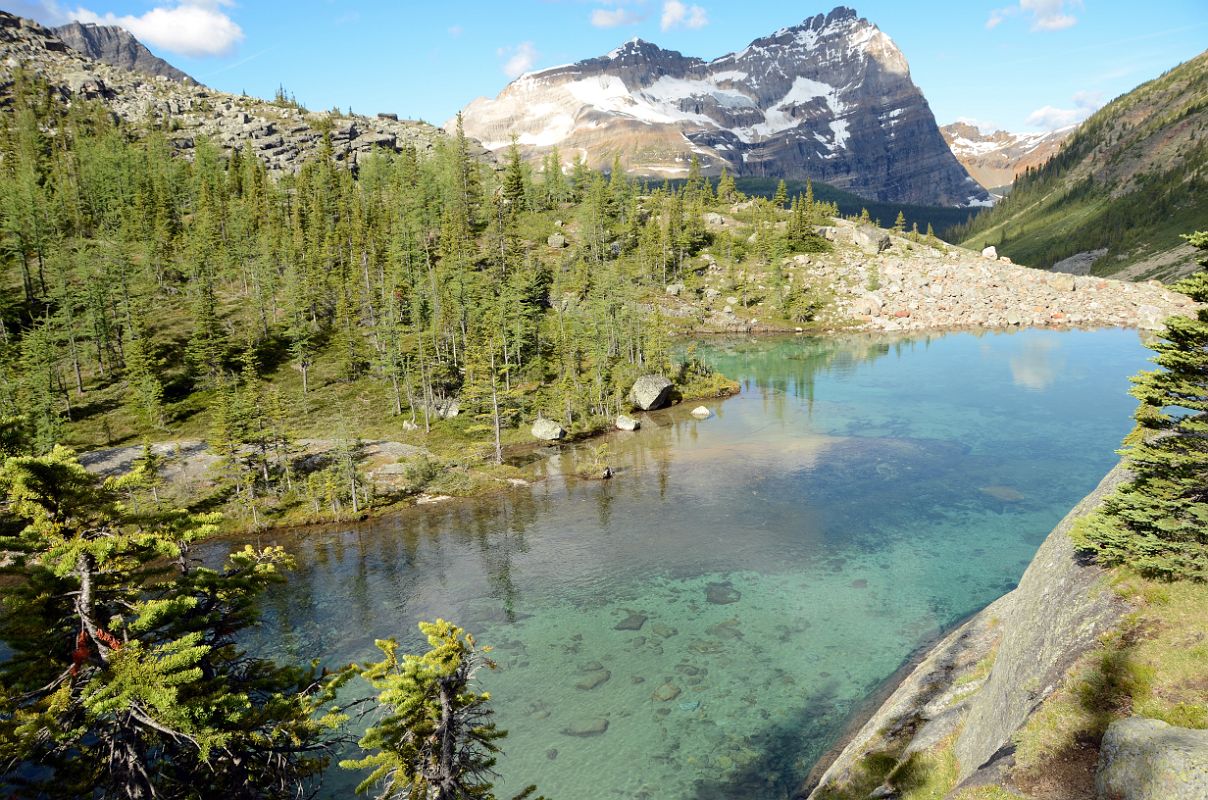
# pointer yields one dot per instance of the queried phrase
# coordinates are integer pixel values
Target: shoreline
(489, 484)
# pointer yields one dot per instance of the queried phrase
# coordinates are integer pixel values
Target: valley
(669, 426)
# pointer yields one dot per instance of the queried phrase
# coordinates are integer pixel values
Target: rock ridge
(1029, 638)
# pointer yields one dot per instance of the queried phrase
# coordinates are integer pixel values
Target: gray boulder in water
(650, 392)
(548, 430)
(627, 423)
(1146, 759)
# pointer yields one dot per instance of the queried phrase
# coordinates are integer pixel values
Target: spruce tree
(1157, 523)
(781, 198)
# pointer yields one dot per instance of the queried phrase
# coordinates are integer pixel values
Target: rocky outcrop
(117, 47)
(1146, 759)
(650, 392)
(1032, 636)
(830, 99)
(282, 135)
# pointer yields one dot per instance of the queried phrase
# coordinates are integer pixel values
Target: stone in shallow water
(1006, 494)
(633, 622)
(594, 679)
(591, 666)
(859, 583)
(689, 705)
(722, 593)
(583, 728)
(666, 693)
(666, 631)
(552, 753)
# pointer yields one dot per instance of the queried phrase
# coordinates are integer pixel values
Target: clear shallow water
(787, 555)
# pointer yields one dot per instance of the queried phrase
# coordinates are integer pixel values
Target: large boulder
(870, 239)
(1146, 759)
(990, 252)
(650, 392)
(548, 430)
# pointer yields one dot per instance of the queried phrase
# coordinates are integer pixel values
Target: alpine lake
(708, 623)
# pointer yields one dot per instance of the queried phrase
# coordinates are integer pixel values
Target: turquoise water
(704, 625)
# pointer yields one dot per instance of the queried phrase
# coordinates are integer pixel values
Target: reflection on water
(1038, 365)
(703, 625)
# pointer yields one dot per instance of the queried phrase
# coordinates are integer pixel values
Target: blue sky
(1016, 64)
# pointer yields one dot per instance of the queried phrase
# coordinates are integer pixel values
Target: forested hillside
(151, 297)
(1124, 186)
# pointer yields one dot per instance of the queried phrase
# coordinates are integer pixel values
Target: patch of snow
(976, 202)
(839, 129)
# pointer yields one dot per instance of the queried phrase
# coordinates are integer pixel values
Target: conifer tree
(899, 224)
(781, 198)
(126, 678)
(436, 740)
(1157, 523)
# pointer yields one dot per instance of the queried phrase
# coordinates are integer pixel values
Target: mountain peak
(117, 47)
(829, 99)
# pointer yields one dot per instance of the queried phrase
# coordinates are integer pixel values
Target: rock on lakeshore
(627, 423)
(650, 392)
(1146, 759)
(548, 430)
(1032, 635)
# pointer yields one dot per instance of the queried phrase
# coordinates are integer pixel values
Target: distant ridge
(996, 159)
(117, 47)
(1119, 192)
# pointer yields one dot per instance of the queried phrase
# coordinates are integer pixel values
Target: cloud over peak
(1046, 15)
(677, 14)
(195, 28)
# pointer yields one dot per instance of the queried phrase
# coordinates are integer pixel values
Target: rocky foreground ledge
(974, 690)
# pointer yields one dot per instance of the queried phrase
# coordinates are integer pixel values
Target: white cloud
(1046, 15)
(190, 28)
(520, 59)
(604, 18)
(1050, 118)
(677, 14)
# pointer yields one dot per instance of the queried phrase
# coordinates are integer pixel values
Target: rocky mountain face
(830, 99)
(996, 159)
(282, 135)
(1119, 193)
(116, 46)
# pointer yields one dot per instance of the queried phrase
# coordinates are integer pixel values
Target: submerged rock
(666, 693)
(700, 412)
(586, 727)
(594, 679)
(633, 622)
(650, 392)
(722, 593)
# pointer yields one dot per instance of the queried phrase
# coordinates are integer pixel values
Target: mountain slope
(1130, 180)
(830, 99)
(118, 47)
(281, 134)
(996, 159)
